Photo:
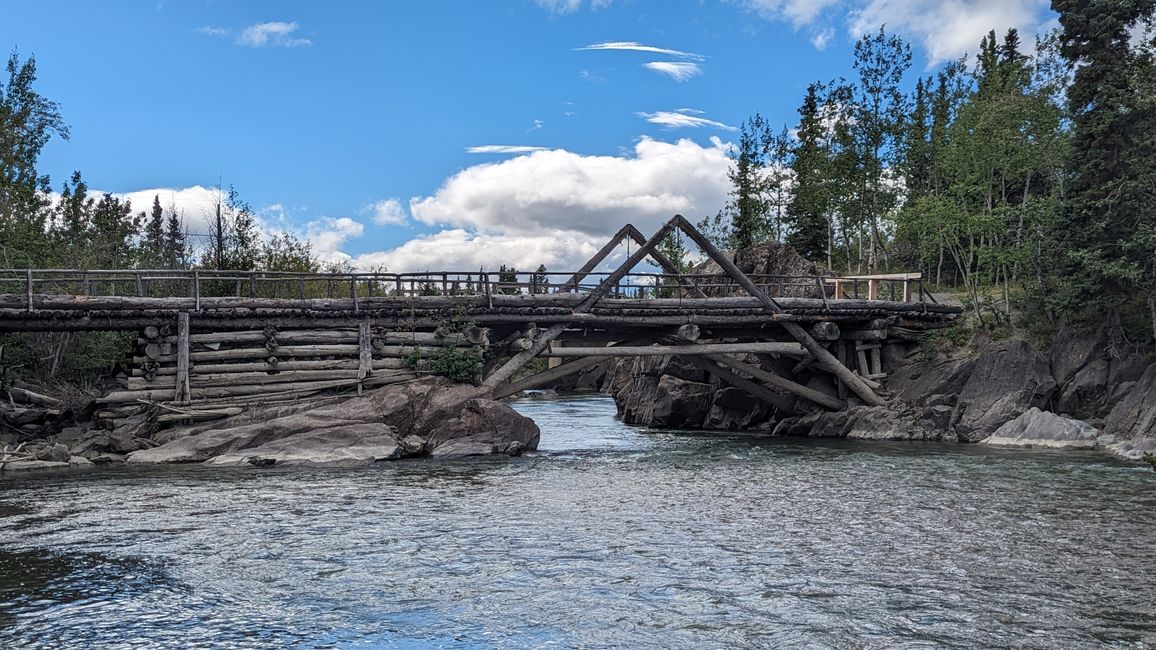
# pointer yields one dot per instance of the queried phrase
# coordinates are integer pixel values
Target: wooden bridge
(210, 342)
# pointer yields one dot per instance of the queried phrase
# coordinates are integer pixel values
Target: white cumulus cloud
(387, 212)
(947, 29)
(678, 70)
(559, 190)
(459, 249)
(271, 34)
(327, 235)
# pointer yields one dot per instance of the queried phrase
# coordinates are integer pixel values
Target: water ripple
(608, 536)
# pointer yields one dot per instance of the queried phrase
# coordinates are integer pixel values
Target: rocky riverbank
(426, 417)
(1083, 393)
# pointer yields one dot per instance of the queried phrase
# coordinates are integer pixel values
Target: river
(607, 536)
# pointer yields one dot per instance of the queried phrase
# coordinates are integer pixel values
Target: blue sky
(352, 124)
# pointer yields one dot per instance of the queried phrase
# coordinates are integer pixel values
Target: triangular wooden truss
(721, 365)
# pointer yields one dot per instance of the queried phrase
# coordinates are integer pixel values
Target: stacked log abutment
(182, 373)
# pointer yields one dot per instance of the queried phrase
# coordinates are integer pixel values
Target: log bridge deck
(212, 342)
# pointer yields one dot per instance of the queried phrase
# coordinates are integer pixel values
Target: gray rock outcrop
(428, 416)
(1036, 428)
(1009, 378)
(1134, 415)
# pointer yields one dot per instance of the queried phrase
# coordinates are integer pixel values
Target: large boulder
(483, 427)
(1009, 378)
(733, 409)
(861, 423)
(1036, 428)
(679, 403)
(416, 417)
(1134, 415)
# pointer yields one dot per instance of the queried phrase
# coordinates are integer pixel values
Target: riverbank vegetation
(1022, 178)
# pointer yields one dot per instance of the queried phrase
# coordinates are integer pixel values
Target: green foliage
(1105, 248)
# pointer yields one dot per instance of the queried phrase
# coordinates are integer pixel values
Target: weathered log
(152, 332)
(30, 397)
(181, 393)
(782, 383)
(677, 350)
(164, 395)
(689, 332)
(265, 366)
(784, 404)
(825, 331)
(200, 415)
(520, 344)
(865, 335)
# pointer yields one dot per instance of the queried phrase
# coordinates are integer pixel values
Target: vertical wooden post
(872, 289)
(196, 290)
(139, 285)
(364, 353)
(353, 292)
(29, 281)
(397, 280)
(252, 285)
(182, 393)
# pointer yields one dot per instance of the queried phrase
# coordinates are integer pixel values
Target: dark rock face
(429, 416)
(1009, 377)
(1134, 415)
(679, 403)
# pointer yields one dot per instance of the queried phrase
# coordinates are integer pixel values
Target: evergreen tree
(153, 251)
(1106, 232)
(749, 209)
(175, 242)
(808, 209)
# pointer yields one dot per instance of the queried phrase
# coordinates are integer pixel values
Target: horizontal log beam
(166, 394)
(790, 348)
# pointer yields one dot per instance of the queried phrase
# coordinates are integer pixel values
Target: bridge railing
(174, 283)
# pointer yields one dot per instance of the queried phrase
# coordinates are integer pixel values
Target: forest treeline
(1024, 175)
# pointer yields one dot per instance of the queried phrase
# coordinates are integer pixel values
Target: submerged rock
(422, 416)
(1036, 428)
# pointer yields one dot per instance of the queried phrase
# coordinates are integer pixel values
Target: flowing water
(608, 536)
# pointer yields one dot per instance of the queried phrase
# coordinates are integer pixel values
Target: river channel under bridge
(609, 535)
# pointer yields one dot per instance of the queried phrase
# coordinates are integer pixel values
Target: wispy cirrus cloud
(209, 30)
(505, 148)
(684, 118)
(570, 6)
(271, 34)
(680, 71)
(634, 46)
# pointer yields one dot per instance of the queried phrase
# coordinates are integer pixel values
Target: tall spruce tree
(1106, 233)
(810, 205)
